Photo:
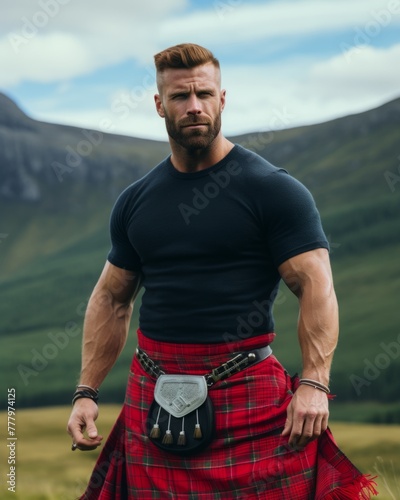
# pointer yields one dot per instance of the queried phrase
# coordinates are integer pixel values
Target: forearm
(104, 336)
(309, 276)
(318, 329)
(105, 331)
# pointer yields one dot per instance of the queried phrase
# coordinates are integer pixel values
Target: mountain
(58, 185)
(37, 157)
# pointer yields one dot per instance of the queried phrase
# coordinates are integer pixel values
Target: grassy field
(48, 470)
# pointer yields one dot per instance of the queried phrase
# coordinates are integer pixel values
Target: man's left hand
(307, 416)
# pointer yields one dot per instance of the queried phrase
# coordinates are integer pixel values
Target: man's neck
(187, 161)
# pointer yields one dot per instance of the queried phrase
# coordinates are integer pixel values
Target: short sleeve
(122, 253)
(293, 223)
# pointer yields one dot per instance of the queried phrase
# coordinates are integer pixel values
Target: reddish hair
(184, 55)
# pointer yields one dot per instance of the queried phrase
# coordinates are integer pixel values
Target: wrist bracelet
(82, 386)
(84, 394)
(315, 384)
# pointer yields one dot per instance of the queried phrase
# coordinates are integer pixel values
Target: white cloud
(57, 39)
(44, 59)
(103, 33)
(247, 21)
(309, 91)
(360, 71)
(78, 38)
(261, 97)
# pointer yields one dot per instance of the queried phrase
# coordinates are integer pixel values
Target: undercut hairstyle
(184, 56)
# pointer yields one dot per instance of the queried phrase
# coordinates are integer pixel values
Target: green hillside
(53, 250)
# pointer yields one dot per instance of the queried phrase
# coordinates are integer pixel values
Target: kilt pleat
(248, 458)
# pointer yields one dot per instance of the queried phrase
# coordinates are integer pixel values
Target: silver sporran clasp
(180, 394)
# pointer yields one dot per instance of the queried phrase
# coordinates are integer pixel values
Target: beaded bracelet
(315, 384)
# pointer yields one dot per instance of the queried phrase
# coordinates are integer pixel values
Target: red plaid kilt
(248, 458)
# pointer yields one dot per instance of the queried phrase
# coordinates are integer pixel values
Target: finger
(317, 427)
(293, 427)
(310, 431)
(91, 429)
(76, 428)
(84, 447)
(86, 444)
(324, 422)
(289, 421)
(296, 431)
(287, 428)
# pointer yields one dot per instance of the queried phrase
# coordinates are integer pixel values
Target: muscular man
(209, 233)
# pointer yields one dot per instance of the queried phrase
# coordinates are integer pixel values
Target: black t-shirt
(209, 244)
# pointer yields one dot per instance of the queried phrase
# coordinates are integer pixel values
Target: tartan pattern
(247, 460)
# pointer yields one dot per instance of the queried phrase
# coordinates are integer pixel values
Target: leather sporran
(181, 417)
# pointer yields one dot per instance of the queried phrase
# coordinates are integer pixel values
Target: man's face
(191, 102)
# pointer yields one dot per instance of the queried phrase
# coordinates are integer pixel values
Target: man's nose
(193, 105)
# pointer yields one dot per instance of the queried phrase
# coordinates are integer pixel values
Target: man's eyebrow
(183, 91)
(178, 92)
(206, 89)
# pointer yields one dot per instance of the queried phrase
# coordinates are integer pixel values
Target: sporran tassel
(168, 437)
(197, 429)
(182, 435)
(155, 432)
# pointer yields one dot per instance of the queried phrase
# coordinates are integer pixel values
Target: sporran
(181, 417)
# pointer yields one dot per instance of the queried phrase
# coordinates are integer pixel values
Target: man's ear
(159, 105)
(223, 99)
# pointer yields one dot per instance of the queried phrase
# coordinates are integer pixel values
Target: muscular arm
(106, 322)
(104, 335)
(309, 276)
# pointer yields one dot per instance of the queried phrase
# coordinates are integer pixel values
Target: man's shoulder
(153, 176)
(254, 167)
(255, 163)
(264, 177)
(129, 196)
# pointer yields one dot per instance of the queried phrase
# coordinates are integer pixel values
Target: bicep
(120, 284)
(292, 222)
(308, 271)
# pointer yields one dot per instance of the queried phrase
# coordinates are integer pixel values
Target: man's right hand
(83, 416)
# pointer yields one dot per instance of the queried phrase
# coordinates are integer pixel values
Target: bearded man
(209, 234)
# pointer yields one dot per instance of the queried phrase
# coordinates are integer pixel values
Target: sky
(89, 63)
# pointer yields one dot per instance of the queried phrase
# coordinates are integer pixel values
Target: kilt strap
(237, 363)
